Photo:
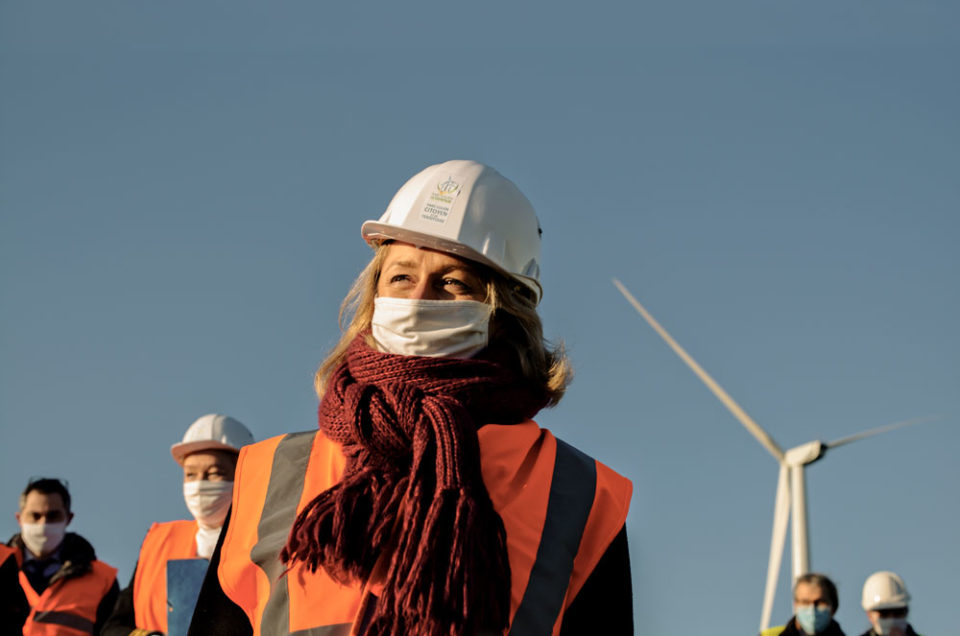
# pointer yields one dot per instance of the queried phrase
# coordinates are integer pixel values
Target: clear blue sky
(182, 186)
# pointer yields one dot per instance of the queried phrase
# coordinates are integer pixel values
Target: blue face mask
(813, 619)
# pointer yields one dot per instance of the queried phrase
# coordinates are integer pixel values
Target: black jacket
(77, 555)
(910, 631)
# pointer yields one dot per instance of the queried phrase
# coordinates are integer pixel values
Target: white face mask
(43, 538)
(886, 626)
(208, 501)
(433, 328)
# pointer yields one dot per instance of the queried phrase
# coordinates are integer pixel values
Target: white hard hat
(212, 432)
(884, 590)
(469, 210)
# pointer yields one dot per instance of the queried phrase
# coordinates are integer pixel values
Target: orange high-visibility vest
(561, 510)
(164, 541)
(7, 552)
(68, 607)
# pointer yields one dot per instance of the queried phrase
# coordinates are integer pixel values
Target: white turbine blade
(881, 429)
(717, 390)
(781, 514)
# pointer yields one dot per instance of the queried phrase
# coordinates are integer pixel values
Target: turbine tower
(791, 497)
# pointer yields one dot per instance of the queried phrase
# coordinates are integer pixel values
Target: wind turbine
(791, 498)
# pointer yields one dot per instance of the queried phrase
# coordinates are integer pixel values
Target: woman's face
(424, 274)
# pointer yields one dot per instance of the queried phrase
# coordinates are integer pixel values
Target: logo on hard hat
(437, 206)
(448, 187)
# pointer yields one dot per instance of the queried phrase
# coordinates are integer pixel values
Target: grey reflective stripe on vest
(284, 490)
(65, 620)
(572, 491)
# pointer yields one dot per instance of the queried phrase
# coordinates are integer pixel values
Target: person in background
(429, 502)
(887, 603)
(815, 602)
(69, 591)
(208, 456)
(13, 602)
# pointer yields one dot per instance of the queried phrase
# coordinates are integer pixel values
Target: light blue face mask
(813, 619)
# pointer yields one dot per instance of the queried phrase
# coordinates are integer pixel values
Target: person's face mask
(885, 626)
(433, 328)
(813, 619)
(43, 538)
(208, 501)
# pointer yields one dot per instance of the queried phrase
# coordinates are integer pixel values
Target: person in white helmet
(887, 603)
(208, 456)
(429, 502)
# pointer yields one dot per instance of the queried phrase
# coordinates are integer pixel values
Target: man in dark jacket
(60, 567)
(815, 602)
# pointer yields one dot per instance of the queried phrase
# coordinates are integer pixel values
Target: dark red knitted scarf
(412, 486)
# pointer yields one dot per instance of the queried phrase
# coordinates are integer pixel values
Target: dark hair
(46, 486)
(825, 585)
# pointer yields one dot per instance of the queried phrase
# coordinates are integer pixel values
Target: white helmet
(884, 590)
(212, 432)
(470, 210)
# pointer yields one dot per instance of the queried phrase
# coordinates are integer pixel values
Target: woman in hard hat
(429, 502)
(208, 456)
(887, 603)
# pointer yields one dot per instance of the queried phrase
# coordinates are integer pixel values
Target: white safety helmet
(884, 590)
(212, 432)
(469, 210)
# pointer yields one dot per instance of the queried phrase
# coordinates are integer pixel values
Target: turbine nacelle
(805, 453)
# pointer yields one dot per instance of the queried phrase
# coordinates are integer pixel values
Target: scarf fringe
(437, 591)
(432, 588)
(352, 518)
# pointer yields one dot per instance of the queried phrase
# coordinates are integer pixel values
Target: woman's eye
(399, 278)
(458, 284)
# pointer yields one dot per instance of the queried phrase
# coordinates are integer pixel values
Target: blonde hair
(515, 321)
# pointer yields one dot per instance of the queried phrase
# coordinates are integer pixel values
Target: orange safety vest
(561, 510)
(68, 606)
(164, 541)
(6, 552)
